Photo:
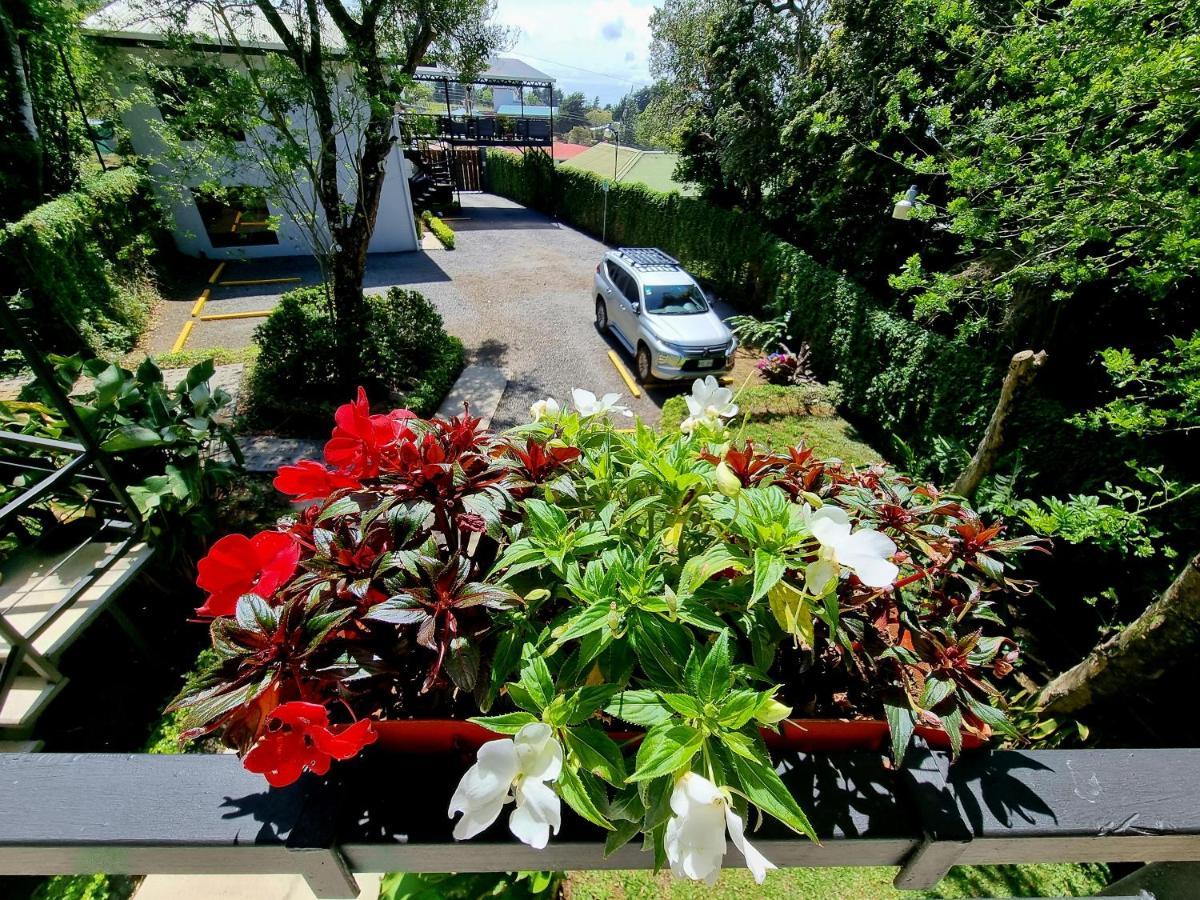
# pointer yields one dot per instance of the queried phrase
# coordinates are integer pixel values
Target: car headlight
(674, 348)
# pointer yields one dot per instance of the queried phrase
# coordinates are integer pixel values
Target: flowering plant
(568, 581)
(786, 367)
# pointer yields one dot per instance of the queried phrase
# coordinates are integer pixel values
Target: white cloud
(595, 46)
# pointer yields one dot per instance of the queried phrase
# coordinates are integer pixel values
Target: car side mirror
(636, 307)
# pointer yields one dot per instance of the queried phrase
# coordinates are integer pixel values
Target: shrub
(440, 229)
(82, 261)
(407, 357)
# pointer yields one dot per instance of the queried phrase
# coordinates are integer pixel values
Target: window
(675, 300)
(237, 217)
(625, 283)
(192, 113)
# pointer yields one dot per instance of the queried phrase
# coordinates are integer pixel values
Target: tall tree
(320, 109)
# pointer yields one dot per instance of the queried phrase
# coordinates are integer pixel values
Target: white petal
(875, 572)
(477, 820)
(829, 525)
(608, 401)
(585, 401)
(695, 407)
(540, 755)
(755, 861)
(483, 790)
(538, 811)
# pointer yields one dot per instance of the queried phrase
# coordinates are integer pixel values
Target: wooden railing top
(199, 814)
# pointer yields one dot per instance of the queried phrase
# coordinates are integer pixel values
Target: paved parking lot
(517, 290)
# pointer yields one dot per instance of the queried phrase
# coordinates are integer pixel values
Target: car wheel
(601, 315)
(642, 362)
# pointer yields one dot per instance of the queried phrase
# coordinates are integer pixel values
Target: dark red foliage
(299, 738)
(537, 462)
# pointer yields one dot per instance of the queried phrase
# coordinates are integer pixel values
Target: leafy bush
(161, 440)
(408, 358)
(440, 229)
(566, 574)
(81, 261)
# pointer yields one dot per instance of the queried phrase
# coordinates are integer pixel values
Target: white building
(246, 222)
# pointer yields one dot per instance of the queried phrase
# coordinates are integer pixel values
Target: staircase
(432, 183)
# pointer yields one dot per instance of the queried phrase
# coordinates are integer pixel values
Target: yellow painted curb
(200, 301)
(624, 373)
(217, 274)
(183, 336)
(253, 314)
(245, 281)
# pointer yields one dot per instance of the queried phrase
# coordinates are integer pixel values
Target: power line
(629, 81)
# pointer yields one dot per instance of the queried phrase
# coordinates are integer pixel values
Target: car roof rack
(649, 259)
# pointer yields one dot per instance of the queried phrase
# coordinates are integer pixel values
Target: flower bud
(771, 712)
(727, 482)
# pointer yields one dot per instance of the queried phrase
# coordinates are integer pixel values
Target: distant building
(653, 168)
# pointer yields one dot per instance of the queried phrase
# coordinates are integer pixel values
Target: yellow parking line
(217, 274)
(245, 281)
(624, 373)
(200, 301)
(254, 314)
(183, 336)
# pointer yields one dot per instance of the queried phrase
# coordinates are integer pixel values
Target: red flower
(361, 441)
(309, 480)
(238, 565)
(299, 737)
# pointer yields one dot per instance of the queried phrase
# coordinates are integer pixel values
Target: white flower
(544, 408)
(696, 832)
(587, 404)
(865, 552)
(523, 764)
(709, 402)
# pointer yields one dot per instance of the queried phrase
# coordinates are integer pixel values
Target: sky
(599, 47)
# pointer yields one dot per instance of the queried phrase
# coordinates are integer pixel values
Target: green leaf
(936, 690)
(661, 647)
(768, 569)
(666, 750)
(597, 753)
(953, 723)
(509, 723)
(715, 677)
(623, 832)
(994, 718)
(639, 707)
(741, 744)
(766, 790)
(132, 437)
(579, 705)
(536, 680)
(901, 723)
(583, 794)
(685, 704)
(592, 618)
(462, 663)
(738, 708)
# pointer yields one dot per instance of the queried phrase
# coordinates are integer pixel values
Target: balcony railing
(204, 814)
(480, 130)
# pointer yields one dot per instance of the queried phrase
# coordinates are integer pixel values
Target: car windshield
(675, 300)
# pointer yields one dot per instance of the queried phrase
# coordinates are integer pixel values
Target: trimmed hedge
(82, 259)
(895, 373)
(440, 229)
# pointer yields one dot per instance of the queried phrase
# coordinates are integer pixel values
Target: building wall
(394, 228)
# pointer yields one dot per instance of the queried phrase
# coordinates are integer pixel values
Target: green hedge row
(896, 374)
(81, 261)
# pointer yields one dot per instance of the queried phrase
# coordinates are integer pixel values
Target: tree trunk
(1166, 634)
(21, 114)
(1021, 370)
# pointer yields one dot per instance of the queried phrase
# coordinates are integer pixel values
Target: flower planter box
(434, 736)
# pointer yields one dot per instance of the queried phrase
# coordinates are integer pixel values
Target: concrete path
(517, 289)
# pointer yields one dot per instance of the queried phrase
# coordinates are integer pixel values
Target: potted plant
(622, 620)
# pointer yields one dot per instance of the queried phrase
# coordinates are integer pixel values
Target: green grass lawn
(1056, 880)
(776, 416)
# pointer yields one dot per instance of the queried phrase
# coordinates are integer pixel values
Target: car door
(625, 296)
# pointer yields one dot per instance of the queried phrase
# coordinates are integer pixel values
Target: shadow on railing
(480, 130)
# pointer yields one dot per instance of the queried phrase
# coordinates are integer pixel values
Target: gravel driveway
(517, 290)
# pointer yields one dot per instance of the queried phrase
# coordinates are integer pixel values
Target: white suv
(658, 311)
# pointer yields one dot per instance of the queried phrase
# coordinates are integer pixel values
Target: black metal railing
(204, 814)
(51, 466)
(479, 130)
